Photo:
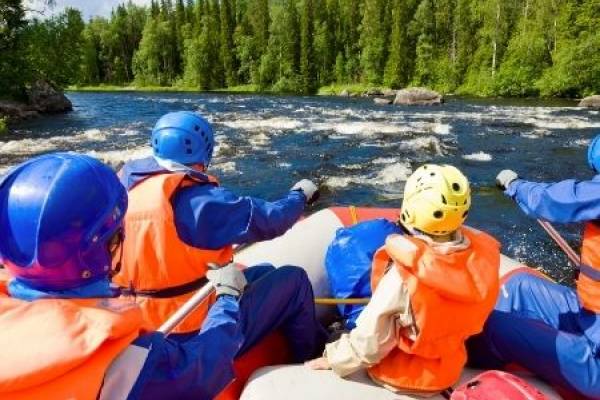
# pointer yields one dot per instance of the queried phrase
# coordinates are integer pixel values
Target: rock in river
(45, 98)
(418, 96)
(591, 101)
(382, 100)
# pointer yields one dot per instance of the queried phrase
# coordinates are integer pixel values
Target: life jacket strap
(590, 272)
(166, 293)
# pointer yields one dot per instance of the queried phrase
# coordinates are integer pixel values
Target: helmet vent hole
(444, 200)
(432, 174)
(465, 214)
(455, 187)
(188, 142)
(197, 128)
(438, 214)
(465, 203)
(403, 217)
(156, 142)
(188, 151)
(203, 134)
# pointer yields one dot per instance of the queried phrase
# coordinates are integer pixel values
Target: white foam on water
(442, 129)
(282, 164)
(259, 140)
(387, 178)
(562, 122)
(276, 123)
(55, 143)
(393, 173)
(341, 181)
(116, 158)
(352, 166)
(479, 156)
(536, 134)
(360, 128)
(225, 167)
(579, 143)
(384, 160)
(427, 143)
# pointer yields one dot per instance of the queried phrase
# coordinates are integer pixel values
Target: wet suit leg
(282, 299)
(540, 326)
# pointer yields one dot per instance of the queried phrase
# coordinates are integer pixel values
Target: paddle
(572, 255)
(331, 301)
(189, 306)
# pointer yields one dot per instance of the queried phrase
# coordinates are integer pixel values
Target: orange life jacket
(451, 296)
(61, 349)
(588, 283)
(157, 267)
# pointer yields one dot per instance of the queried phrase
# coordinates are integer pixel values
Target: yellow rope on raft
(334, 301)
(353, 215)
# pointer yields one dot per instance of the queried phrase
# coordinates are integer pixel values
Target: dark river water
(362, 153)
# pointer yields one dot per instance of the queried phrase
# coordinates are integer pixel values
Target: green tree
(399, 65)
(13, 71)
(227, 53)
(308, 83)
(373, 41)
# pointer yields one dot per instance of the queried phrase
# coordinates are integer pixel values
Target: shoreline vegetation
(355, 89)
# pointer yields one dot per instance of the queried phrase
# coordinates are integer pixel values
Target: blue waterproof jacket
(211, 217)
(563, 202)
(348, 262)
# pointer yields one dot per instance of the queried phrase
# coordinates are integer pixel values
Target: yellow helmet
(436, 199)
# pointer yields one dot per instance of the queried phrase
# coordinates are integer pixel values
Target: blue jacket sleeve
(199, 367)
(562, 202)
(212, 217)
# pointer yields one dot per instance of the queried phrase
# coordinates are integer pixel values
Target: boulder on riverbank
(45, 98)
(42, 98)
(418, 96)
(591, 101)
(16, 111)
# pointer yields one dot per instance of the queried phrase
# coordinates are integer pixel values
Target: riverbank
(355, 89)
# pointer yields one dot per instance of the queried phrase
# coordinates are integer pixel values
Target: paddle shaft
(189, 306)
(335, 301)
(572, 255)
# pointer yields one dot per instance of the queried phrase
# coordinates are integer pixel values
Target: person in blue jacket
(550, 329)
(61, 223)
(180, 220)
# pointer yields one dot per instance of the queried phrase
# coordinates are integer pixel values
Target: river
(361, 152)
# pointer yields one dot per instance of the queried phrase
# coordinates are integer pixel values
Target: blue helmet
(184, 137)
(58, 214)
(593, 154)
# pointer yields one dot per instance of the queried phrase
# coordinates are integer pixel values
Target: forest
(471, 47)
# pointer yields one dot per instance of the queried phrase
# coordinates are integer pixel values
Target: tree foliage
(482, 47)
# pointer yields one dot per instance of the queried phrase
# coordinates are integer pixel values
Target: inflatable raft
(305, 245)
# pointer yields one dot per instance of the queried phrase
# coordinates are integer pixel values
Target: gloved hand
(227, 280)
(310, 190)
(505, 178)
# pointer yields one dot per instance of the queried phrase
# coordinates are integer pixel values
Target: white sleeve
(375, 333)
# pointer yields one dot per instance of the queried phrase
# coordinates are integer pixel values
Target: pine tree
(399, 65)
(308, 72)
(373, 40)
(227, 54)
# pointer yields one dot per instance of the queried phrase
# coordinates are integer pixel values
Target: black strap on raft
(166, 293)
